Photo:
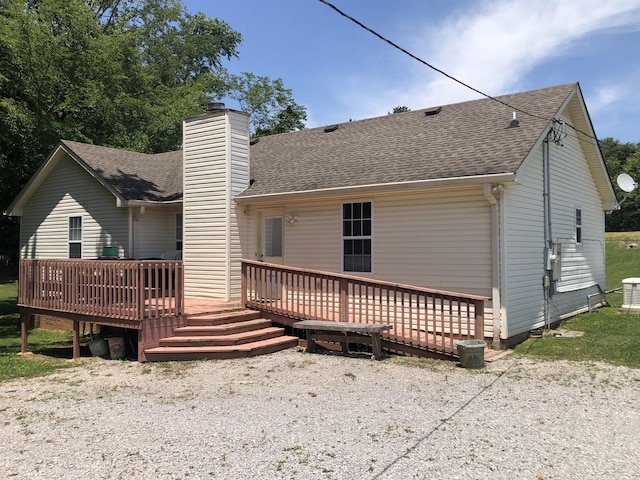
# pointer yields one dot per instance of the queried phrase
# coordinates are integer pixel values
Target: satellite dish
(626, 182)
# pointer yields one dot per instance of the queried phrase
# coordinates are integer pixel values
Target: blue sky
(340, 71)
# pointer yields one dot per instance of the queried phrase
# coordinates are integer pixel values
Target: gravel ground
(296, 415)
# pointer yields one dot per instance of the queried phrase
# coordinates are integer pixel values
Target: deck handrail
(118, 289)
(421, 317)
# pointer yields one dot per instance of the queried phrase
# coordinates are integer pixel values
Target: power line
(451, 77)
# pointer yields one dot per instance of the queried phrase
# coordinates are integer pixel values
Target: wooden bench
(320, 330)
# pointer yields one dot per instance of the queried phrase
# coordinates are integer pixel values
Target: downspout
(548, 237)
(228, 206)
(133, 228)
(130, 246)
(496, 305)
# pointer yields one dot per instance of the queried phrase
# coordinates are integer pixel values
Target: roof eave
(151, 203)
(387, 187)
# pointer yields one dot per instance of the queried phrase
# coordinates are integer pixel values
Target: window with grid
(75, 237)
(356, 237)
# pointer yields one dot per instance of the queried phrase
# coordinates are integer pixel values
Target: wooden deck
(148, 296)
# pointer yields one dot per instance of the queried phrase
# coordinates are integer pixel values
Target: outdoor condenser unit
(630, 295)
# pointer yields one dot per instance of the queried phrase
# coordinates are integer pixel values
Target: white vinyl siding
(155, 231)
(573, 187)
(582, 266)
(69, 191)
(216, 167)
(439, 239)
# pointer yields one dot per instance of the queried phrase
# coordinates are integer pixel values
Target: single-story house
(503, 198)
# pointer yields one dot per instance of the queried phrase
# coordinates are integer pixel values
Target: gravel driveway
(297, 415)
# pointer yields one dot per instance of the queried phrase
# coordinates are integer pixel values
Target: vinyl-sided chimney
(215, 169)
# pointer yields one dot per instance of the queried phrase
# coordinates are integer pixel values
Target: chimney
(215, 159)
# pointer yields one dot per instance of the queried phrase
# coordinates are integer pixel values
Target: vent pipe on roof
(514, 123)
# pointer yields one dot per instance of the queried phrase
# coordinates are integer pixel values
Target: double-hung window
(356, 237)
(75, 237)
(578, 226)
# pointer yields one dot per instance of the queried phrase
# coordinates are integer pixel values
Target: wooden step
(251, 349)
(221, 318)
(223, 329)
(220, 340)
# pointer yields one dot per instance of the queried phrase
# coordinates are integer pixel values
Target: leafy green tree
(400, 109)
(271, 105)
(120, 73)
(623, 158)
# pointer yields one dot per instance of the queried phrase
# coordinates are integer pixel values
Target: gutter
(496, 304)
(502, 178)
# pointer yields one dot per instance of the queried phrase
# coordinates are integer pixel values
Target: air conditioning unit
(630, 295)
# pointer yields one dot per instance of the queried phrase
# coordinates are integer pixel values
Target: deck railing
(421, 317)
(118, 289)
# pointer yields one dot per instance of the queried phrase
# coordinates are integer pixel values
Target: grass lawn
(609, 335)
(40, 341)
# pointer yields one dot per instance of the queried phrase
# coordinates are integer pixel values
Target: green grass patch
(609, 336)
(45, 344)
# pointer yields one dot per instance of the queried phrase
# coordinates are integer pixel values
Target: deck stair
(242, 333)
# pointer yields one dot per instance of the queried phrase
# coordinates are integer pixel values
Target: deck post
(76, 339)
(24, 332)
(479, 319)
(344, 300)
(244, 268)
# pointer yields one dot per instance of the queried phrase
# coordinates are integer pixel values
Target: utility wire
(451, 77)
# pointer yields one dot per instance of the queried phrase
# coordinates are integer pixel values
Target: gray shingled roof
(462, 140)
(135, 176)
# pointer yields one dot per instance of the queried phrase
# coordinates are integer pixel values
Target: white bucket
(98, 347)
(117, 347)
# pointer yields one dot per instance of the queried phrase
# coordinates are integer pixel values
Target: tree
(119, 73)
(623, 158)
(271, 107)
(400, 109)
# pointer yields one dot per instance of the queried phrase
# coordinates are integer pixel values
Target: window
(356, 237)
(578, 225)
(273, 237)
(178, 231)
(75, 237)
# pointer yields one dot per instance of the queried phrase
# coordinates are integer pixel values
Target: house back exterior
(461, 197)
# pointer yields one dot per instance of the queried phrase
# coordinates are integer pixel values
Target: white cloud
(493, 45)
